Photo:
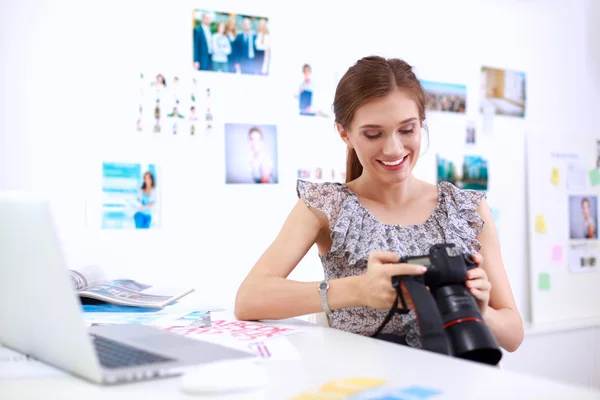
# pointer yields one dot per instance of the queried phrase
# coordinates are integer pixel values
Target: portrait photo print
(251, 154)
(130, 196)
(230, 43)
(583, 217)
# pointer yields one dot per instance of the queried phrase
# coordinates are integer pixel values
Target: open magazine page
(131, 293)
(87, 277)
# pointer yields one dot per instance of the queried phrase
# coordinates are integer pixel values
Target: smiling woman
(380, 214)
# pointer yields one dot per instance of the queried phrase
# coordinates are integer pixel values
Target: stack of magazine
(92, 287)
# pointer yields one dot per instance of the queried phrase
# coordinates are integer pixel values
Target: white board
(564, 246)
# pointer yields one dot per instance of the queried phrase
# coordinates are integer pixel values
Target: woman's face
(585, 208)
(386, 135)
(221, 28)
(255, 142)
(148, 179)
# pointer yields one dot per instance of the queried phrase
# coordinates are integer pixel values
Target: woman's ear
(343, 134)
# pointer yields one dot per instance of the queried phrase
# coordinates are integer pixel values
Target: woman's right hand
(375, 287)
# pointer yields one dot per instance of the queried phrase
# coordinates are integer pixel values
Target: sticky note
(396, 393)
(340, 389)
(557, 253)
(350, 386)
(594, 177)
(544, 281)
(540, 224)
(555, 176)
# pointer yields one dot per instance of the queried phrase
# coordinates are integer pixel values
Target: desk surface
(327, 354)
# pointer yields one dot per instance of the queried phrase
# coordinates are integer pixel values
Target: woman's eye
(372, 135)
(408, 129)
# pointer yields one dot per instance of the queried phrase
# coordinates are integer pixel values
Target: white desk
(328, 354)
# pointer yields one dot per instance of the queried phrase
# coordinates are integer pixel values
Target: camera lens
(468, 335)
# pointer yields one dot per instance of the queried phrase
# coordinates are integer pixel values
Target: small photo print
(231, 43)
(321, 174)
(583, 217)
(448, 97)
(470, 131)
(469, 173)
(311, 94)
(251, 153)
(503, 92)
(584, 257)
(130, 196)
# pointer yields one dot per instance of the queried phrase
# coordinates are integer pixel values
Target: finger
(477, 258)
(480, 295)
(476, 273)
(405, 269)
(384, 257)
(479, 284)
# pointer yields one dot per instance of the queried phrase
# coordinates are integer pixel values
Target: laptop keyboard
(113, 354)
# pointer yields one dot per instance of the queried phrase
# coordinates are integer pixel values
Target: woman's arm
(502, 315)
(267, 294)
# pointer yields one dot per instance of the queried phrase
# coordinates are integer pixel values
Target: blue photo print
(130, 196)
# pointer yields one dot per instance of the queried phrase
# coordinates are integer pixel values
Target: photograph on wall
(463, 171)
(583, 257)
(251, 153)
(322, 174)
(130, 196)
(470, 133)
(311, 94)
(448, 97)
(171, 105)
(503, 92)
(583, 217)
(231, 43)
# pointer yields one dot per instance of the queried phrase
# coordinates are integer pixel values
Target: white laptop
(41, 316)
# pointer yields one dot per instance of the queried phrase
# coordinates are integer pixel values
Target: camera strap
(430, 321)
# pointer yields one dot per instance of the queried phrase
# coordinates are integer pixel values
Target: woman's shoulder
(460, 197)
(306, 188)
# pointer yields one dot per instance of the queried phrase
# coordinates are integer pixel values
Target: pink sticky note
(557, 253)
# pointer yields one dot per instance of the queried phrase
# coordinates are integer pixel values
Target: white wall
(68, 103)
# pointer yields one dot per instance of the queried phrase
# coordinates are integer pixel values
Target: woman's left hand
(478, 284)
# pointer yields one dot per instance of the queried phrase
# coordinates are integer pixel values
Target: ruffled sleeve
(325, 197)
(462, 222)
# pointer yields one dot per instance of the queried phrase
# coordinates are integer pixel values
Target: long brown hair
(372, 77)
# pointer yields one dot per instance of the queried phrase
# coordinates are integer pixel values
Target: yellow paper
(540, 224)
(555, 177)
(339, 389)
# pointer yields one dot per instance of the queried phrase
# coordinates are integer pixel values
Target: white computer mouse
(225, 377)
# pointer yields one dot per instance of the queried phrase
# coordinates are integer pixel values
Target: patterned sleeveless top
(355, 232)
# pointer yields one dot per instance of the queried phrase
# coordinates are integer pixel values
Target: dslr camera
(449, 317)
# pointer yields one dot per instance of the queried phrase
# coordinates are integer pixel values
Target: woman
(588, 222)
(261, 165)
(382, 212)
(221, 49)
(263, 48)
(147, 199)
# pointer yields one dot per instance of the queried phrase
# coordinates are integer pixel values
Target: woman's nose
(393, 145)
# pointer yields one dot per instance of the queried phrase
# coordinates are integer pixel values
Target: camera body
(468, 336)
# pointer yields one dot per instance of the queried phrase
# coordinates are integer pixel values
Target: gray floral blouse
(355, 232)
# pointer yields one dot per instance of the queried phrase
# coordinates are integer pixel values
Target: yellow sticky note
(351, 385)
(540, 224)
(339, 389)
(555, 176)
